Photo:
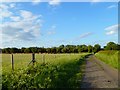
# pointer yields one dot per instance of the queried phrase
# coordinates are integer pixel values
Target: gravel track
(99, 75)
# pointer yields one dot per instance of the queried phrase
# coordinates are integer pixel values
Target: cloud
(12, 5)
(85, 35)
(4, 9)
(25, 26)
(36, 2)
(112, 29)
(95, 1)
(112, 6)
(54, 2)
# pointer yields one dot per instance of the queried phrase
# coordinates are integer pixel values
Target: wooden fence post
(12, 61)
(33, 58)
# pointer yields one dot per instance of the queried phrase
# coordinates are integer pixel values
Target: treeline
(63, 49)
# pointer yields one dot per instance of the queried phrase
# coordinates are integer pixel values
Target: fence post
(33, 58)
(12, 60)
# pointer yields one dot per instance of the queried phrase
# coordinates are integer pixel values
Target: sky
(49, 24)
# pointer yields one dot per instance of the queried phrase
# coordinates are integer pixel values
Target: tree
(111, 46)
(14, 50)
(27, 50)
(23, 50)
(7, 50)
(53, 50)
(34, 49)
(90, 48)
(96, 48)
(48, 50)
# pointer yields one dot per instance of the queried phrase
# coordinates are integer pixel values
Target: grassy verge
(60, 73)
(109, 57)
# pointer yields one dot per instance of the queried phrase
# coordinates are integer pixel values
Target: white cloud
(112, 6)
(96, 0)
(23, 27)
(25, 14)
(4, 9)
(12, 5)
(15, 18)
(112, 29)
(36, 2)
(85, 35)
(3, 6)
(54, 2)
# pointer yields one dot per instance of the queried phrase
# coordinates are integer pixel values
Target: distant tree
(48, 50)
(14, 50)
(90, 48)
(65, 50)
(53, 49)
(27, 50)
(42, 50)
(7, 50)
(84, 48)
(34, 49)
(118, 47)
(111, 46)
(3, 50)
(96, 48)
(23, 50)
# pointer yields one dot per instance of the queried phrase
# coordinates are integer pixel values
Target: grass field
(109, 57)
(59, 70)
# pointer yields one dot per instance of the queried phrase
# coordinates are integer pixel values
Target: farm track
(99, 75)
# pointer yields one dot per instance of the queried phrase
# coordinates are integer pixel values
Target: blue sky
(51, 24)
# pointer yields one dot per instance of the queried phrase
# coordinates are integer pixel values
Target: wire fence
(19, 61)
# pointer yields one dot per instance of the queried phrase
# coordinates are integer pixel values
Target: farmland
(110, 57)
(58, 70)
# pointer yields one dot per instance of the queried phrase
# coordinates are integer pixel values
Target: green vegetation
(59, 70)
(64, 49)
(56, 67)
(110, 57)
(55, 50)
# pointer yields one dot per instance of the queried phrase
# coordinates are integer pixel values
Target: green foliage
(63, 71)
(63, 49)
(90, 48)
(96, 48)
(112, 46)
(110, 57)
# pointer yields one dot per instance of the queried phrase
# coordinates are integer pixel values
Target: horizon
(57, 46)
(42, 24)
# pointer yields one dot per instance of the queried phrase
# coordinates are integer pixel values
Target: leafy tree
(96, 48)
(7, 50)
(14, 50)
(90, 48)
(111, 46)
(53, 50)
(23, 50)
(27, 50)
(34, 49)
(48, 50)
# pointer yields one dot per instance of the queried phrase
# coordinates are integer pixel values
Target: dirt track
(99, 75)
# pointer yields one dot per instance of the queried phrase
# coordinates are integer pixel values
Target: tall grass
(110, 57)
(60, 71)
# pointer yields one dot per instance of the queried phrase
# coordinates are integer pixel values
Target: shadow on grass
(67, 75)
